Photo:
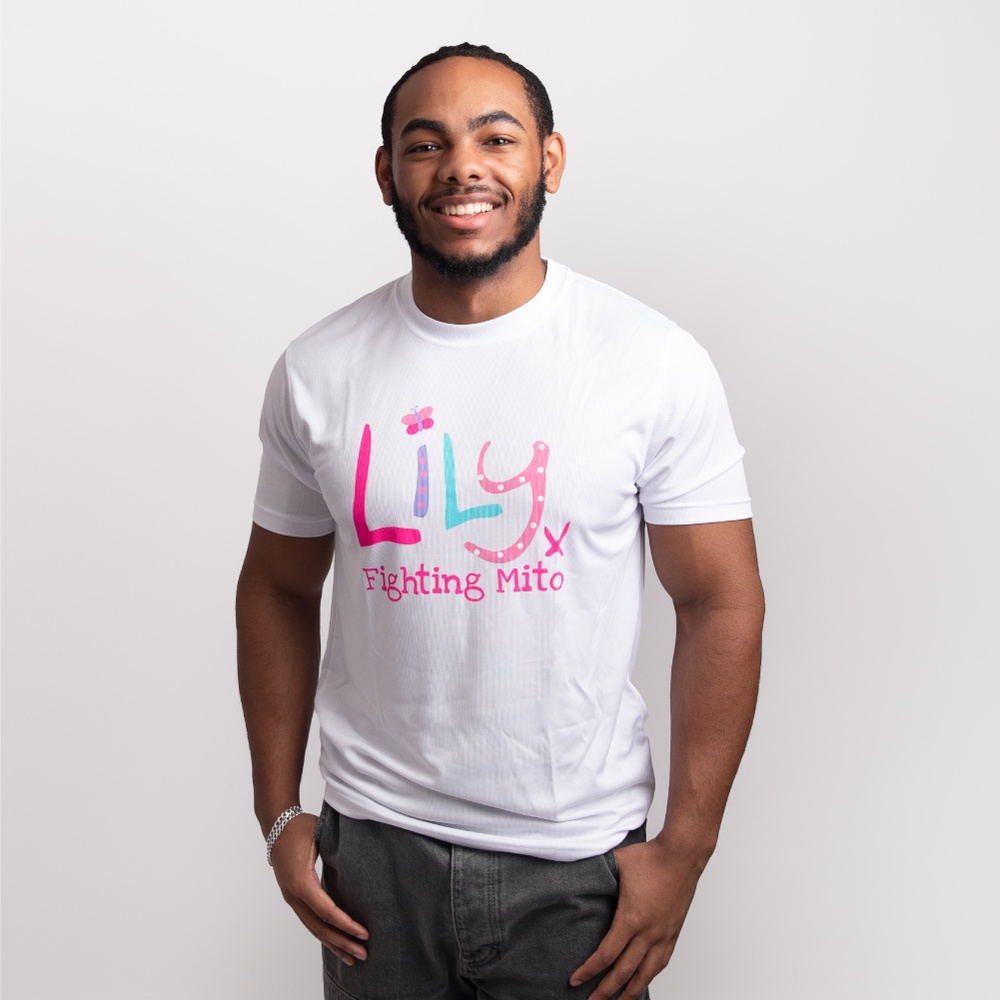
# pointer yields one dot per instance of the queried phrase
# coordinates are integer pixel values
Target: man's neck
(482, 299)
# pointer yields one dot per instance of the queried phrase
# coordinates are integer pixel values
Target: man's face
(468, 175)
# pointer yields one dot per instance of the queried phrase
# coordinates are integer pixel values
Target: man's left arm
(710, 572)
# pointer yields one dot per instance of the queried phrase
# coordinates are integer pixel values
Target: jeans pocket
(327, 831)
(611, 860)
(318, 833)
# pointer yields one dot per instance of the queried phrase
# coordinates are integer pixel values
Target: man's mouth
(474, 208)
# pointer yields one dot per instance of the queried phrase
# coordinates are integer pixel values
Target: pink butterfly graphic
(417, 419)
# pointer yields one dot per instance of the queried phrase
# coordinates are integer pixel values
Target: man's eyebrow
(492, 117)
(481, 121)
(422, 125)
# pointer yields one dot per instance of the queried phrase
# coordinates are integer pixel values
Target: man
(488, 439)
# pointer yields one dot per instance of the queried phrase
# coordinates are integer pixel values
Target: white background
(811, 189)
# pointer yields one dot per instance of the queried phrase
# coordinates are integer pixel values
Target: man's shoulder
(369, 312)
(613, 310)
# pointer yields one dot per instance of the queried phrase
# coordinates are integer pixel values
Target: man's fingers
(631, 974)
(315, 897)
(618, 975)
(294, 858)
(345, 947)
(327, 921)
(607, 952)
(635, 969)
(339, 919)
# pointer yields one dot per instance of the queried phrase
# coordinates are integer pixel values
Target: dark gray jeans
(453, 923)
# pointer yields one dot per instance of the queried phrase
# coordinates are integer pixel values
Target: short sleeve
(693, 472)
(288, 500)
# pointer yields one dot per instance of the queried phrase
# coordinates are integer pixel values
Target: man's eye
(423, 147)
(500, 140)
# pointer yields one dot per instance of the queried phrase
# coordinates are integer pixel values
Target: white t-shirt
(487, 484)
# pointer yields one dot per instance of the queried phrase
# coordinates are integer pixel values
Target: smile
(475, 208)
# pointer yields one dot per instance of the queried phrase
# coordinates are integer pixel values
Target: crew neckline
(511, 326)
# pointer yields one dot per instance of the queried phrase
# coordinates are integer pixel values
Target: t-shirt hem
(297, 528)
(563, 845)
(698, 513)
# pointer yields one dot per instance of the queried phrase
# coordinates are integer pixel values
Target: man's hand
(294, 857)
(277, 617)
(710, 571)
(656, 888)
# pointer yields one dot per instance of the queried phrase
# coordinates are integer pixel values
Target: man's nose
(462, 163)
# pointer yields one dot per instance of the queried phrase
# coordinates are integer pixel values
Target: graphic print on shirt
(533, 475)
(453, 517)
(555, 544)
(417, 420)
(415, 580)
(366, 535)
(422, 496)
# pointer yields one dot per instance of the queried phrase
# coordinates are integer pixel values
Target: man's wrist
(279, 824)
(696, 845)
(269, 805)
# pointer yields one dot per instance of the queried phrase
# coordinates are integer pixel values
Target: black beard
(529, 217)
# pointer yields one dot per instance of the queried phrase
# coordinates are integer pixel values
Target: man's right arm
(278, 643)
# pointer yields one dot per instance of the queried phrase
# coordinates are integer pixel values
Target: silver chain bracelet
(279, 824)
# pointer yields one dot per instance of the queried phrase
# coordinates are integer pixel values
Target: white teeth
(474, 209)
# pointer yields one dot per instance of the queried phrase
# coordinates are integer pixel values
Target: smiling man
(489, 439)
(467, 222)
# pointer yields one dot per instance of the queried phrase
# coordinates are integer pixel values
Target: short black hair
(538, 97)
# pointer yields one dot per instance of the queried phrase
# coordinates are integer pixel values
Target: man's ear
(383, 173)
(553, 161)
